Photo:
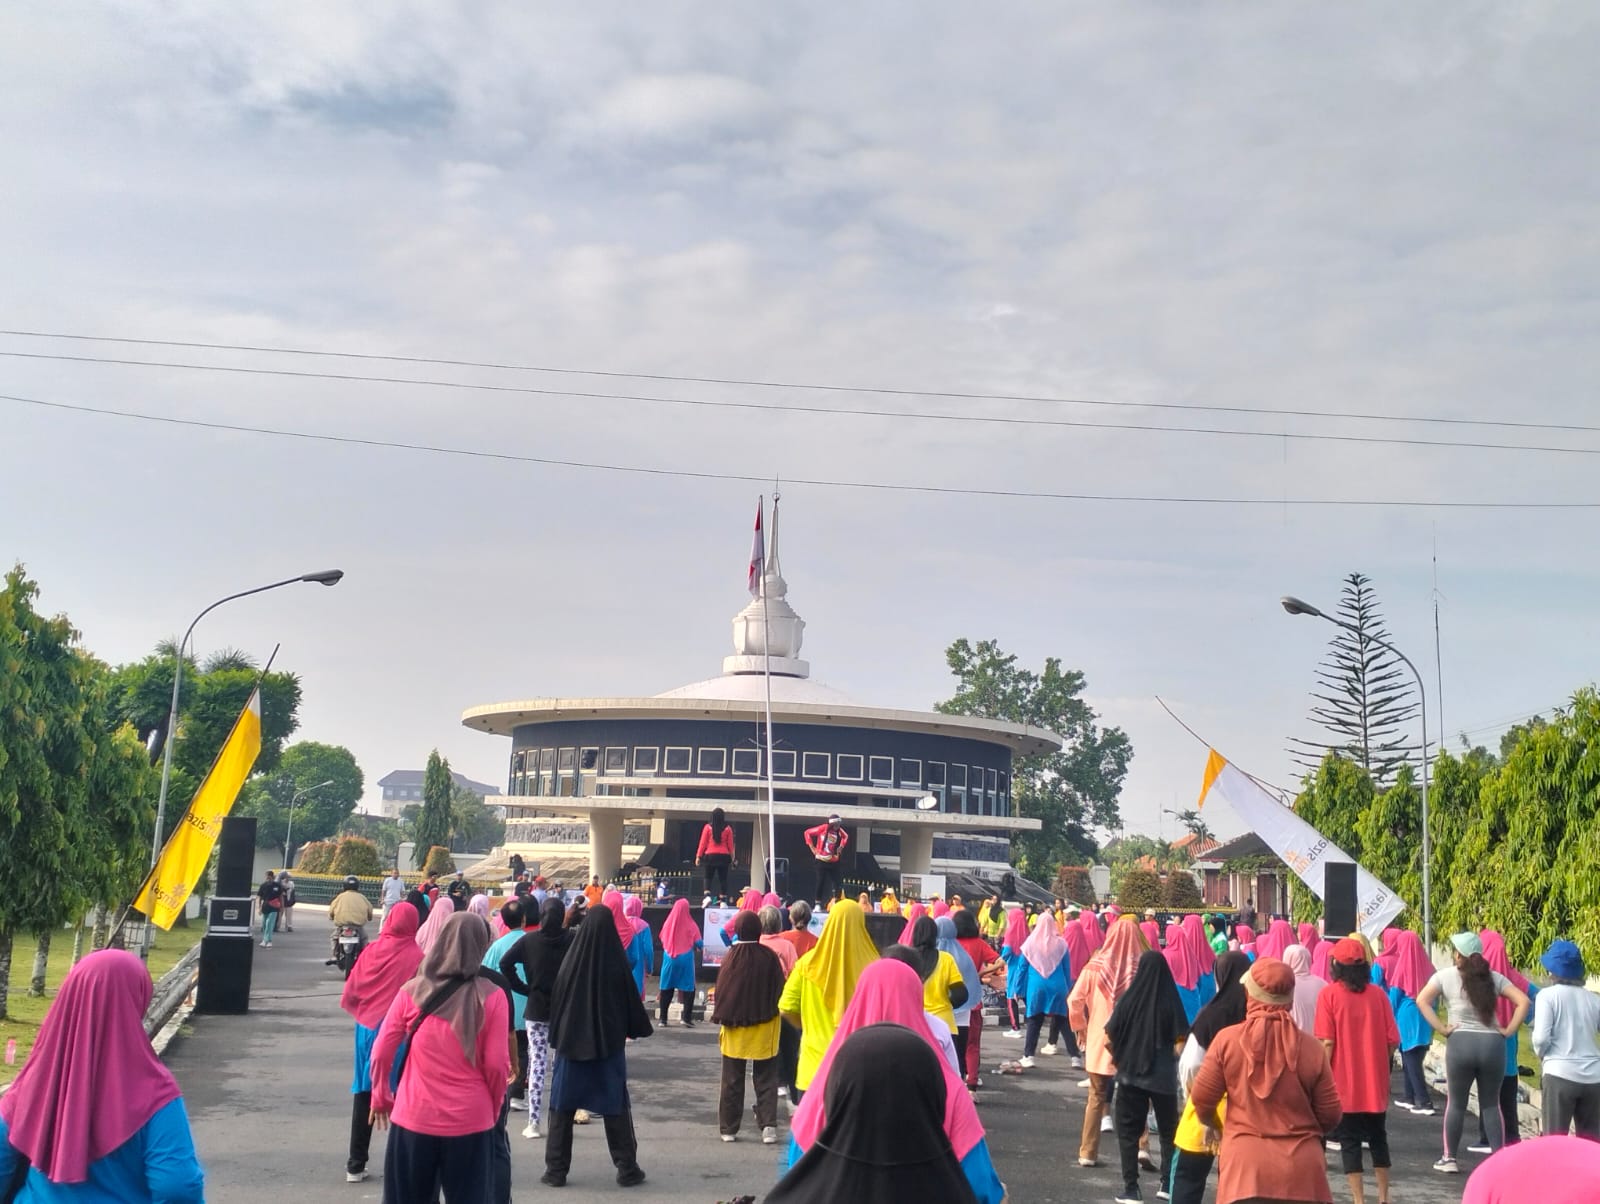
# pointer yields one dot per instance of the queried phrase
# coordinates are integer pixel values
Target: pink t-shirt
(441, 1094)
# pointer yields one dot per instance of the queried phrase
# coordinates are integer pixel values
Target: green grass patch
(27, 1014)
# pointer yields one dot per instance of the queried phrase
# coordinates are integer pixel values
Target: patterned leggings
(538, 1067)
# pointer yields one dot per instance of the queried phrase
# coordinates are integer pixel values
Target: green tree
(474, 827)
(1181, 891)
(1125, 850)
(358, 856)
(433, 823)
(1071, 791)
(439, 861)
(320, 813)
(1363, 697)
(1137, 888)
(1196, 825)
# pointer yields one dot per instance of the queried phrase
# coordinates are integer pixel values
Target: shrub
(358, 856)
(1138, 889)
(1073, 884)
(317, 857)
(1180, 891)
(439, 861)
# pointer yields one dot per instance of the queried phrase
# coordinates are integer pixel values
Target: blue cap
(1563, 960)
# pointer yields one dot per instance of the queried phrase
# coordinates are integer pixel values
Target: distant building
(403, 787)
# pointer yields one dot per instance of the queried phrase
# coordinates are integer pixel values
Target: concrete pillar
(605, 843)
(916, 849)
(758, 853)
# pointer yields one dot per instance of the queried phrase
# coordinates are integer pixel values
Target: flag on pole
(1303, 849)
(758, 555)
(188, 849)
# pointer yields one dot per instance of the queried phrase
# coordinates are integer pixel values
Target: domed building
(917, 791)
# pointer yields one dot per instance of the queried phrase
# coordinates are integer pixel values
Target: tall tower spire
(785, 628)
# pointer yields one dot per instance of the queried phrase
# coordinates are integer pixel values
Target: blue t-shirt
(977, 1167)
(519, 1001)
(157, 1165)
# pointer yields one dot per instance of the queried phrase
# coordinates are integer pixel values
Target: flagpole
(766, 660)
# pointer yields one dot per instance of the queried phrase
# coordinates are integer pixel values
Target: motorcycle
(348, 940)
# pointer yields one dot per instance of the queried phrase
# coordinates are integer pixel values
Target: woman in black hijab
(1146, 1029)
(420, 901)
(594, 1010)
(749, 985)
(1194, 1149)
(884, 1137)
(539, 955)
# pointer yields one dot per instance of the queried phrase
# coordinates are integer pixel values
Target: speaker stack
(1339, 898)
(227, 951)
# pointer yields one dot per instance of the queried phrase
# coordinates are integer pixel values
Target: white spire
(787, 628)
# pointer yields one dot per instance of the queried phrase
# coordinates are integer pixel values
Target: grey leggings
(1473, 1057)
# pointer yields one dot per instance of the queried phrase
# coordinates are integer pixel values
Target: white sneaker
(581, 1117)
(769, 1135)
(1077, 1063)
(1447, 1166)
(1478, 1147)
(518, 1105)
(783, 1093)
(1107, 1125)
(1027, 1063)
(1428, 1111)
(730, 1137)
(1012, 1034)
(1048, 1051)
(1087, 1083)
(531, 1131)
(356, 1176)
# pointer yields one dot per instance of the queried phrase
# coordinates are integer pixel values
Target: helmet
(351, 882)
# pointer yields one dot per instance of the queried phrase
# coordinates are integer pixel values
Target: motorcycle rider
(350, 907)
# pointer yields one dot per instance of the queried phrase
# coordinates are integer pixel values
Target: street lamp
(1296, 607)
(289, 830)
(325, 577)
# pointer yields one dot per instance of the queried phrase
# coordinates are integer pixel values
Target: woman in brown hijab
(1281, 1098)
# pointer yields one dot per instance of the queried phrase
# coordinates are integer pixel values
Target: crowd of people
(1254, 1055)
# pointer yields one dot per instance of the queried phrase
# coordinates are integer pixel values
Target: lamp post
(288, 833)
(1296, 607)
(325, 577)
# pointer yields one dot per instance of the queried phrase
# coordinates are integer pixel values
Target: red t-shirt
(1361, 1026)
(710, 844)
(979, 950)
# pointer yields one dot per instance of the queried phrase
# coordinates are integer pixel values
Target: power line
(811, 386)
(789, 407)
(823, 483)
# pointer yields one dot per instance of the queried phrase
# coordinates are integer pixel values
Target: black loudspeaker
(225, 962)
(236, 855)
(1339, 898)
(657, 857)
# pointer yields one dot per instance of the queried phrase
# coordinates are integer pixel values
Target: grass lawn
(27, 1014)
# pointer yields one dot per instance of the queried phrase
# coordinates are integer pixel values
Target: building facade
(402, 788)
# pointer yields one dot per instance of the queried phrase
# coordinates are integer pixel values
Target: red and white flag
(758, 556)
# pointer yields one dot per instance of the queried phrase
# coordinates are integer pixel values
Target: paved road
(269, 1098)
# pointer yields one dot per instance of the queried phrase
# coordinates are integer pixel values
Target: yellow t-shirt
(800, 996)
(755, 1042)
(936, 990)
(1191, 1134)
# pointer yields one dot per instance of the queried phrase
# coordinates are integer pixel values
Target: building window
(678, 760)
(713, 760)
(588, 759)
(935, 770)
(881, 770)
(994, 781)
(815, 765)
(547, 758)
(567, 760)
(616, 760)
(747, 762)
(977, 786)
(783, 763)
(646, 759)
(848, 767)
(910, 772)
(958, 776)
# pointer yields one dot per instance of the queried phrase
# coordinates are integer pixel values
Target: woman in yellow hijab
(889, 904)
(822, 983)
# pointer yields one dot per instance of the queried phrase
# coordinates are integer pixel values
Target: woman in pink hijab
(1565, 1169)
(1405, 969)
(1092, 936)
(939, 908)
(1152, 933)
(913, 913)
(1494, 952)
(1278, 937)
(749, 901)
(1309, 936)
(1244, 939)
(443, 908)
(94, 1108)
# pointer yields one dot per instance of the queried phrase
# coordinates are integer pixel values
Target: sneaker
(631, 1177)
(1333, 1145)
(531, 1131)
(1146, 1161)
(1447, 1166)
(1406, 1104)
(1027, 1063)
(1087, 1083)
(1425, 1111)
(553, 1179)
(730, 1137)
(1048, 1051)
(769, 1135)
(1163, 1194)
(1478, 1147)
(1088, 1163)
(1076, 1063)
(1107, 1125)
(356, 1176)
(783, 1093)
(581, 1117)
(1128, 1196)
(518, 1105)
(1013, 1034)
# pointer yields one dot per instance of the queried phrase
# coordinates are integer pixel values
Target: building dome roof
(749, 687)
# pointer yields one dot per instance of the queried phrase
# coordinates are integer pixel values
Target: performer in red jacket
(827, 844)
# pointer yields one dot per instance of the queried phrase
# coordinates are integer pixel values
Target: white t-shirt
(1564, 1027)
(1462, 1014)
(394, 890)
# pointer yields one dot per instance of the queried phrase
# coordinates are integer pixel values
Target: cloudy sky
(1358, 210)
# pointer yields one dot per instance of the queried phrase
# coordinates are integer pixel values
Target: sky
(1362, 210)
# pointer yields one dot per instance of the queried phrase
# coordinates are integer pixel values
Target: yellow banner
(188, 849)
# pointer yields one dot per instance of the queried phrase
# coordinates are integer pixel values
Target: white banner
(1302, 848)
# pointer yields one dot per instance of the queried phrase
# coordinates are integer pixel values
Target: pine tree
(433, 823)
(1364, 697)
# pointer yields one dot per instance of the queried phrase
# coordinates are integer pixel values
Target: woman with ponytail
(1474, 1039)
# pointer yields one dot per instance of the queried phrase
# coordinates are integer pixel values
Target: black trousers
(665, 997)
(417, 1167)
(620, 1140)
(1130, 1107)
(1189, 1175)
(500, 1156)
(959, 1040)
(360, 1132)
(1508, 1113)
(788, 1057)
(716, 867)
(828, 881)
(519, 1088)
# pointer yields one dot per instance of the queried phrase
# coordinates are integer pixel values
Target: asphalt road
(268, 1094)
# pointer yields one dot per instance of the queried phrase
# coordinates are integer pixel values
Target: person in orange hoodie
(1103, 981)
